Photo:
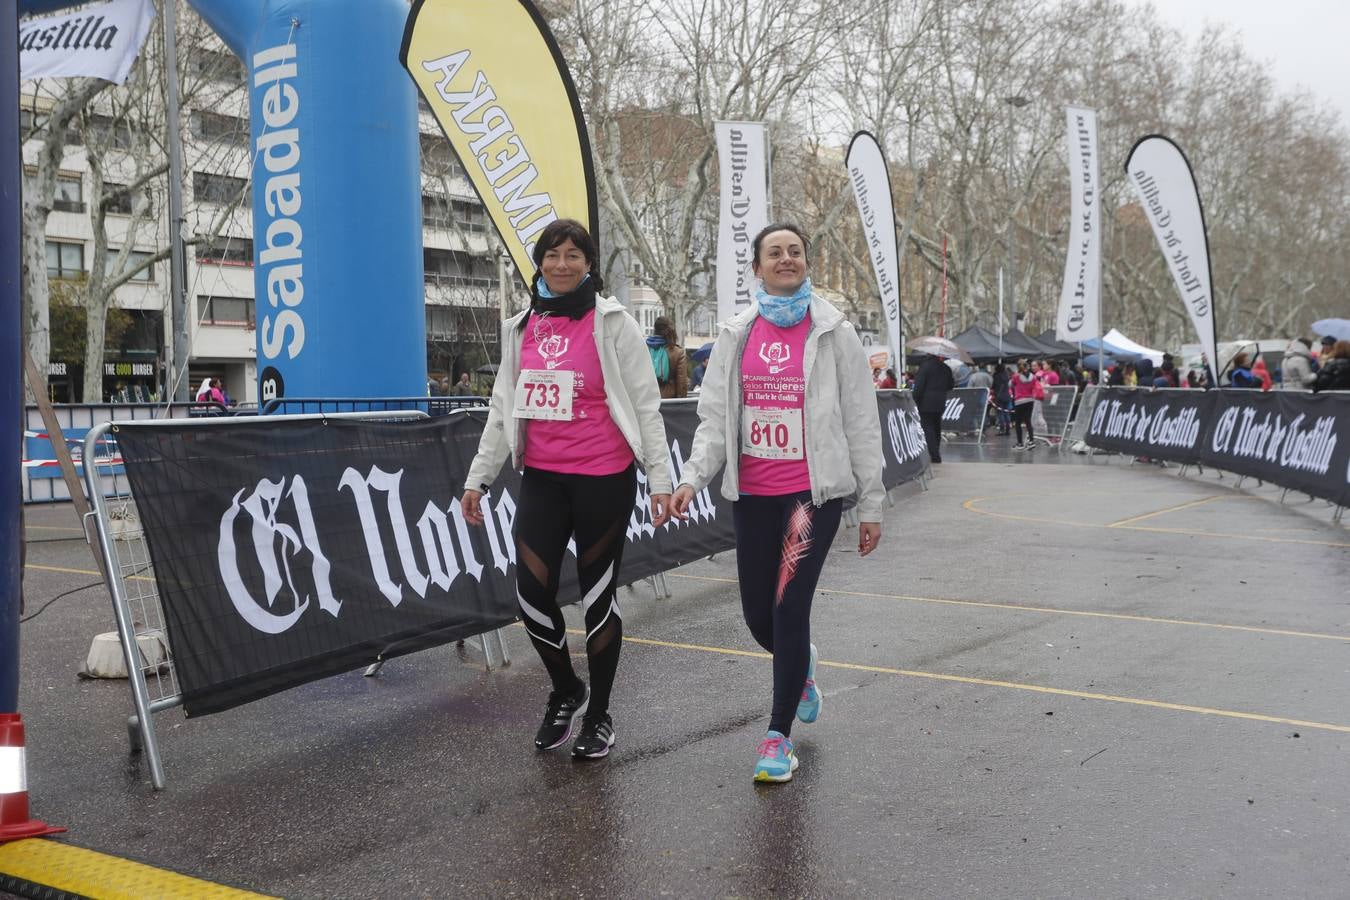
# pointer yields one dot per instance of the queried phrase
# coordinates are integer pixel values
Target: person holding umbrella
(931, 385)
(788, 407)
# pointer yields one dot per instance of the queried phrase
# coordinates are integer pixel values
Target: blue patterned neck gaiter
(785, 311)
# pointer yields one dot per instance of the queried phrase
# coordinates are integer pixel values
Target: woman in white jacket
(576, 404)
(788, 406)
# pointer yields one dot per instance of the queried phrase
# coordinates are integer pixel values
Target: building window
(209, 187)
(121, 201)
(69, 194)
(211, 126)
(65, 261)
(225, 310)
(458, 269)
(144, 275)
(218, 65)
(452, 214)
(463, 323)
(438, 156)
(225, 250)
(109, 132)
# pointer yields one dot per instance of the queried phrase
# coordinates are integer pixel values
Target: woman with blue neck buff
(788, 408)
(576, 406)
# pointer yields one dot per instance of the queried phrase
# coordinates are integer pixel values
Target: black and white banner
(1164, 424)
(1079, 304)
(1296, 440)
(1162, 178)
(904, 448)
(97, 41)
(742, 158)
(871, 182)
(288, 551)
(965, 410)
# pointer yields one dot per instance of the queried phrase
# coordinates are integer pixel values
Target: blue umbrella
(1337, 328)
(701, 353)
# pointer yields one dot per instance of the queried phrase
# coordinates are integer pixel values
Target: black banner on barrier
(1293, 439)
(903, 447)
(288, 551)
(1165, 424)
(964, 413)
(1296, 440)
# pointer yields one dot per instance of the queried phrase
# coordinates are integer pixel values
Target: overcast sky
(1305, 41)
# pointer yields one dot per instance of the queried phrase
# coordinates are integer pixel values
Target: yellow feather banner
(498, 85)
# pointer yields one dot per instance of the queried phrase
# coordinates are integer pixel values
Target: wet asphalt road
(1077, 680)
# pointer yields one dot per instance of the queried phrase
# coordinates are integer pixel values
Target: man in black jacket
(930, 395)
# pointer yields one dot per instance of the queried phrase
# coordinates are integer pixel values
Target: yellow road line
(80, 571)
(1012, 685)
(1019, 607)
(969, 505)
(73, 870)
(1159, 512)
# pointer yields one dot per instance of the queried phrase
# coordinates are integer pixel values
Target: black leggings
(1022, 416)
(781, 544)
(552, 509)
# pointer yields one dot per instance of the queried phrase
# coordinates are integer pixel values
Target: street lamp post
(1016, 102)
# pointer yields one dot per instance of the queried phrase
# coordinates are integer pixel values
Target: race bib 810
(772, 433)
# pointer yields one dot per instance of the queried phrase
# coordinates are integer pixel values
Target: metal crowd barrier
(1057, 407)
(1075, 431)
(432, 406)
(42, 482)
(135, 597)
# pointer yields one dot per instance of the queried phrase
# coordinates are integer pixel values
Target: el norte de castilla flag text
(1162, 178)
(1080, 296)
(498, 85)
(95, 42)
(871, 182)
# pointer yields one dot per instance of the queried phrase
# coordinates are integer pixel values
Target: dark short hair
(665, 329)
(568, 230)
(780, 226)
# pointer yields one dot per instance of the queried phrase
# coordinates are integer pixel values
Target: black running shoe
(560, 717)
(595, 740)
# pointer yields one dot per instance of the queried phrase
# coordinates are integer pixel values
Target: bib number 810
(769, 435)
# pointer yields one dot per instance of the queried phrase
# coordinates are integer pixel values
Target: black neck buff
(574, 305)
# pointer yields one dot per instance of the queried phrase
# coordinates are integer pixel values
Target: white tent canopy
(1115, 339)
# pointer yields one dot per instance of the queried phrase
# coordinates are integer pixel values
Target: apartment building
(469, 281)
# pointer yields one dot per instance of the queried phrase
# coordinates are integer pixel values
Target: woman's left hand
(869, 535)
(660, 509)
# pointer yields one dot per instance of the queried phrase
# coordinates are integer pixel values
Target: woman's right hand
(679, 502)
(473, 513)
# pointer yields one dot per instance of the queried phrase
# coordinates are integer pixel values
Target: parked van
(1269, 349)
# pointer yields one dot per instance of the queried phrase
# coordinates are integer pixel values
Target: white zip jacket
(631, 393)
(842, 427)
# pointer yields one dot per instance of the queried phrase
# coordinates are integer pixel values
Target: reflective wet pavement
(1052, 680)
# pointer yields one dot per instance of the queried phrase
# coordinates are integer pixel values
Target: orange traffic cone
(14, 821)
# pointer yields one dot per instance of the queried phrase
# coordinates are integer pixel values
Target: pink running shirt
(773, 392)
(589, 443)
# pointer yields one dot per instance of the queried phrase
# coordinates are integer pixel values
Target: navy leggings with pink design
(781, 543)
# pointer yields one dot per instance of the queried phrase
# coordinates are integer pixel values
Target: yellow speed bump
(61, 869)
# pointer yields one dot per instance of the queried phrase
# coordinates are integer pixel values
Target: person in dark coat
(930, 395)
(1335, 372)
(1003, 397)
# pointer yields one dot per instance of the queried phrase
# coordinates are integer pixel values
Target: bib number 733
(544, 394)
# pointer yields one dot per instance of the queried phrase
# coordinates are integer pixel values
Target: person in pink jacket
(1024, 390)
